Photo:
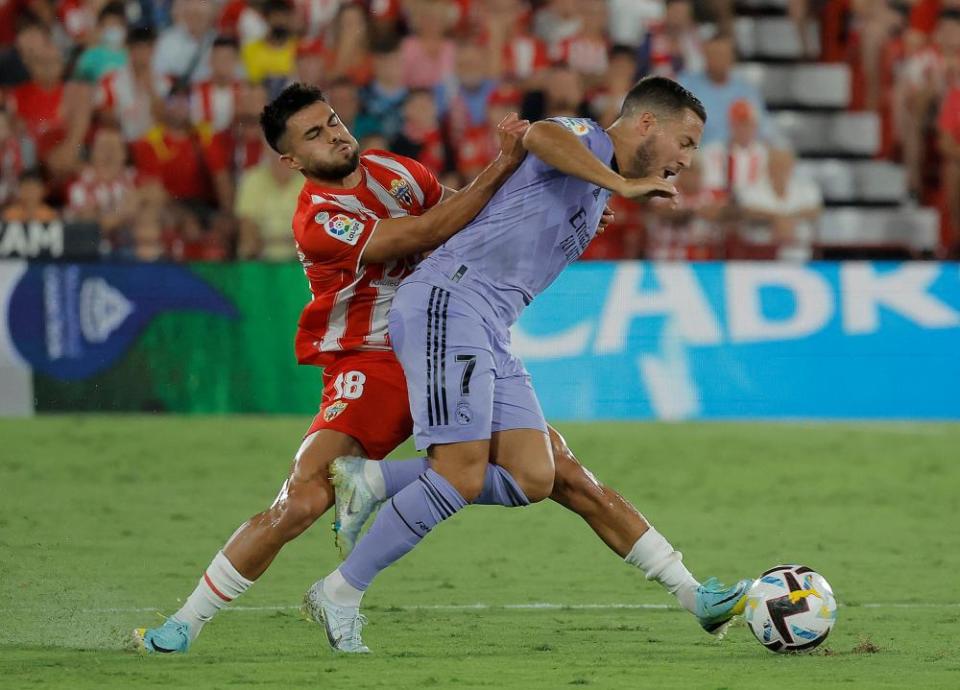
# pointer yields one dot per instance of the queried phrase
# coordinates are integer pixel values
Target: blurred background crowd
(828, 119)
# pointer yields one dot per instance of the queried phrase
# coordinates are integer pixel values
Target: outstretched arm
(396, 238)
(563, 150)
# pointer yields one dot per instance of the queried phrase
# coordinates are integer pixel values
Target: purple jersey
(538, 222)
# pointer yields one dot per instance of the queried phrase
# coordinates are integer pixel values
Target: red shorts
(365, 396)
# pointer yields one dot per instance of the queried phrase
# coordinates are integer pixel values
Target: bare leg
(608, 513)
(527, 455)
(304, 497)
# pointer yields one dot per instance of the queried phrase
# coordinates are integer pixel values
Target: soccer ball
(790, 608)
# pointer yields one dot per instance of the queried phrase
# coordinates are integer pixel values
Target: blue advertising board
(638, 340)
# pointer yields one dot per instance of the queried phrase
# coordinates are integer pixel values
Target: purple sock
(398, 473)
(401, 523)
(501, 489)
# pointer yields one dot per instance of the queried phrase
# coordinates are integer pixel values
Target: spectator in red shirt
(921, 83)
(132, 97)
(317, 16)
(39, 103)
(673, 45)
(740, 161)
(238, 148)
(556, 21)
(421, 137)
(948, 125)
(513, 52)
(242, 20)
(694, 227)
(213, 101)
(9, 12)
(105, 192)
(79, 18)
(172, 152)
(876, 22)
(623, 237)
(311, 66)
(586, 51)
(478, 145)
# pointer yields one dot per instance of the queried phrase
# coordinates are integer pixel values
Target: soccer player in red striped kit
(362, 223)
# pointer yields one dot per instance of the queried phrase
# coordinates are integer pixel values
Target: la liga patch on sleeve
(577, 126)
(340, 227)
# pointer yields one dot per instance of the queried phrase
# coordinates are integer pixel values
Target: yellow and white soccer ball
(790, 608)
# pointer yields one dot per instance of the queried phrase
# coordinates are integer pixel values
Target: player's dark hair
(663, 97)
(949, 14)
(293, 99)
(226, 42)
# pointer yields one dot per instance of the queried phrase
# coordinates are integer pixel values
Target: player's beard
(642, 164)
(335, 172)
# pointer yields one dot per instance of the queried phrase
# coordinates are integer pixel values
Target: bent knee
(299, 505)
(539, 488)
(536, 481)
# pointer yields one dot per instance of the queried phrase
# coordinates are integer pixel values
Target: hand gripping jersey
(348, 310)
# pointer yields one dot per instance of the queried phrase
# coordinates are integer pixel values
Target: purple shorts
(462, 380)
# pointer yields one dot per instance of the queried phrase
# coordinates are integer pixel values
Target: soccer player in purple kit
(472, 400)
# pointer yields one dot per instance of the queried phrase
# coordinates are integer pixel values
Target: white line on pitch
(537, 606)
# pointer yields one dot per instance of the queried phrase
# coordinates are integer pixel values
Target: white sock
(220, 584)
(374, 478)
(659, 561)
(341, 592)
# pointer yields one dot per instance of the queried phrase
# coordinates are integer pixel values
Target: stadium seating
(768, 38)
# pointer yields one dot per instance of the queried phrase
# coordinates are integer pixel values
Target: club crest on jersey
(578, 127)
(334, 410)
(400, 191)
(341, 227)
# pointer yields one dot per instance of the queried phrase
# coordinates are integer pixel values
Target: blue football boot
(173, 637)
(718, 605)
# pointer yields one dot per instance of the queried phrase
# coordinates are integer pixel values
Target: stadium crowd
(142, 116)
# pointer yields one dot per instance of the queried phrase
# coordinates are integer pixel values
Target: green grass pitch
(105, 521)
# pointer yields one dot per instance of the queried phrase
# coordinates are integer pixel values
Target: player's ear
(645, 123)
(291, 162)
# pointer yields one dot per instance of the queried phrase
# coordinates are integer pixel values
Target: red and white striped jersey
(316, 15)
(583, 54)
(106, 196)
(523, 55)
(213, 105)
(119, 94)
(348, 310)
(731, 168)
